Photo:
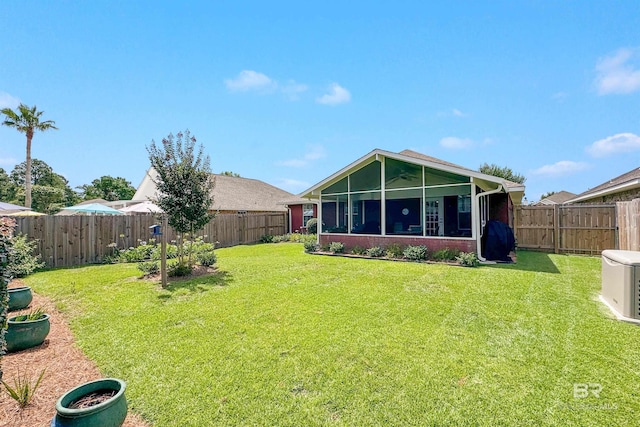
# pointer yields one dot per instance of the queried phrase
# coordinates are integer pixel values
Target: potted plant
(27, 330)
(96, 403)
(19, 297)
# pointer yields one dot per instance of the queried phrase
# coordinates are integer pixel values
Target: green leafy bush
(142, 252)
(149, 267)
(280, 239)
(6, 233)
(336, 247)
(179, 270)
(445, 254)
(310, 247)
(468, 259)
(358, 250)
(266, 238)
(394, 250)
(312, 226)
(21, 261)
(207, 258)
(375, 252)
(415, 253)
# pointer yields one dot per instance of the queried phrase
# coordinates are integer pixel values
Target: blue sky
(291, 92)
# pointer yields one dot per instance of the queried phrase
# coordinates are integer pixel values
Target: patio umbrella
(95, 208)
(4, 206)
(144, 207)
(26, 213)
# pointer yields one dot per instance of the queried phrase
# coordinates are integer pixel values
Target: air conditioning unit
(621, 283)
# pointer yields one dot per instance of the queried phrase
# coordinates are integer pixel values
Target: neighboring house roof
(557, 198)
(625, 182)
(230, 193)
(486, 182)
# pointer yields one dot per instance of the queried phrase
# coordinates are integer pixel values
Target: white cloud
(618, 143)
(337, 95)
(249, 80)
(314, 152)
(458, 113)
(615, 73)
(455, 143)
(561, 168)
(293, 89)
(8, 101)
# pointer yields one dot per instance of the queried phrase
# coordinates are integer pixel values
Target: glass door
(433, 216)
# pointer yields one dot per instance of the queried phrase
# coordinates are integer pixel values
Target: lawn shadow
(197, 284)
(530, 261)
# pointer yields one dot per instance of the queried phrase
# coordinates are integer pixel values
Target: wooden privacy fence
(629, 225)
(580, 229)
(66, 241)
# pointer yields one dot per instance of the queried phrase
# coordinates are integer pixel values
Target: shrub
(142, 252)
(468, 259)
(445, 254)
(312, 226)
(179, 270)
(310, 246)
(21, 261)
(394, 250)
(375, 252)
(280, 239)
(207, 258)
(266, 238)
(415, 253)
(149, 267)
(6, 233)
(358, 250)
(336, 247)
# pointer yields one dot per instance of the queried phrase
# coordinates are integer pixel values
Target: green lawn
(283, 338)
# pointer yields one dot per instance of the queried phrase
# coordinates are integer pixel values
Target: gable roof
(230, 193)
(557, 198)
(625, 182)
(486, 182)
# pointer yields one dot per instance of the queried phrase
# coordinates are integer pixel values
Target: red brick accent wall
(296, 218)
(432, 243)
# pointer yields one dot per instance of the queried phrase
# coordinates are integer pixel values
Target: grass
(279, 337)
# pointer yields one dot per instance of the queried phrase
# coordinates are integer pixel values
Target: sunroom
(410, 198)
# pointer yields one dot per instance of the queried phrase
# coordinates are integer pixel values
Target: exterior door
(433, 214)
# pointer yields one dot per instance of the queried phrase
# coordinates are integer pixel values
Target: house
(300, 212)
(556, 198)
(411, 199)
(622, 188)
(231, 194)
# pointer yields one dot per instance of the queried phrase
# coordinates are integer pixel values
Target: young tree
(502, 172)
(27, 120)
(108, 188)
(184, 184)
(230, 173)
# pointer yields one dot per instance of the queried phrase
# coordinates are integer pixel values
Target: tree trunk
(27, 173)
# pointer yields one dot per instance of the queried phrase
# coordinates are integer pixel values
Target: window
(365, 213)
(334, 214)
(403, 212)
(307, 213)
(400, 174)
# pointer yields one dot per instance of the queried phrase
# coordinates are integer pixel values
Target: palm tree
(27, 120)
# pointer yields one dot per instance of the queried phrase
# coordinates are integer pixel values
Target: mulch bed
(66, 367)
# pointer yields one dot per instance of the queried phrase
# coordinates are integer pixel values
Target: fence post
(556, 228)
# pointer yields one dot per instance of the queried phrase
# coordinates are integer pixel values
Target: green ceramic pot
(110, 413)
(26, 334)
(19, 298)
